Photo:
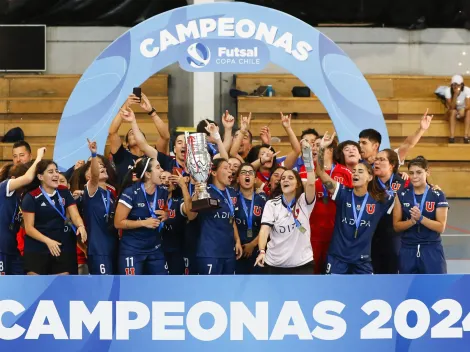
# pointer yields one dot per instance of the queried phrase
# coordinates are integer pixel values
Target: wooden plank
(282, 84)
(4, 87)
(382, 87)
(409, 106)
(417, 87)
(439, 152)
(63, 85)
(3, 106)
(56, 105)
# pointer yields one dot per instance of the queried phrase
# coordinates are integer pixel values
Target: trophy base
(204, 204)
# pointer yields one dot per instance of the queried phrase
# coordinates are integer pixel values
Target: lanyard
(289, 209)
(106, 201)
(191, 186)
(61, 213)
(421, 206)
(228, 199)
(151, 209)
(170, 202)
(14, 212)
(357, 218)
(249, 215)
(184, 173)
(263, 176)
(388, 191)
(325, 191)
(212, 148)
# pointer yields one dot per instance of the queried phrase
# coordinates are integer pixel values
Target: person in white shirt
(458, 106)
(286, 222)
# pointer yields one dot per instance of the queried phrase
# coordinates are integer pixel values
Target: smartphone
(137, 91)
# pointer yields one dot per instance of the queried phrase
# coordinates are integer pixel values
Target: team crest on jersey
(430, 206)
(395, 186)
(370, 209)
(161, 203)
(257, 210)
(171, 213)
(339, 179)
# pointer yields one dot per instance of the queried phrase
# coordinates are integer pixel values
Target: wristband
(421, 218)
(217, 136)
(262, 251)
(152, 111)
(80, 226)
(93, 155)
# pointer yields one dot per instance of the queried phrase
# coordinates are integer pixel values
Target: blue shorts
(216, 266)
(335, 266)
(246, 266)
(176, 263)
(422, 259)
(101, 265)
(142, 264)
(11, 264)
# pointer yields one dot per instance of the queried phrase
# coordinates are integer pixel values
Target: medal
(420, 205)
(230, 219)
(248, 214)
(302, 229)
(249, 233)
(289, 209)
(325, 200)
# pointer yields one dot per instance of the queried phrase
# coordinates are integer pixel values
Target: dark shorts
(422, 259)
(306, 269)
(176, 263)
(216, 266)
(47, 264)
(142, 264)
(102, 265)
(11, 264)
(336, 266)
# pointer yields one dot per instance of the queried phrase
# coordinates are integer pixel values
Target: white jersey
(464, 94)
(288, 246)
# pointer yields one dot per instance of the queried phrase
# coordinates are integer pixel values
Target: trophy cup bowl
(198, 164)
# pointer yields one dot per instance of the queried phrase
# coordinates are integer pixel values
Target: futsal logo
(199, 55)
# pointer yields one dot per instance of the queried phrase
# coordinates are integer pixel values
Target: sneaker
(451, 140)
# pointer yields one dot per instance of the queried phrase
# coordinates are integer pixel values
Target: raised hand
(40, 153)
(426, 120)
(245, 122)
(267, 157)
(213, 130)
(265, 135)
(79, 164)
(228, 120)
(127, 115)
(131, 99)
(145, 103)
(92, 146)
(285, 119)
(327, 140)
(305, 144)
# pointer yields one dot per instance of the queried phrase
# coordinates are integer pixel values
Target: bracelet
(217, 136)
(152, 111)
(93, 155)
(80, 226)
(421, 218)
(262, 251)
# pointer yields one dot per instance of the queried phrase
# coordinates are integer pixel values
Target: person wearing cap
(458, 105)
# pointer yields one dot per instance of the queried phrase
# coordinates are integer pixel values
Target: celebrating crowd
(324, 208)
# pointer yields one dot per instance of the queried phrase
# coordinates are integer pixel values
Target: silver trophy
(198, 164)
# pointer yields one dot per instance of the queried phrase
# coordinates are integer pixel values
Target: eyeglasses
(380, 160)
(249, 173)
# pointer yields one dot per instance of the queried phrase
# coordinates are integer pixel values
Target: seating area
(403, 100)
(35, 103)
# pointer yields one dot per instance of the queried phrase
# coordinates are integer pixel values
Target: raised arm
(329, 183)
(129, 116)
(113, 133)
(291, 158)
(412, 140)
(28, 177)
(228, 122)
(308, 162)
(93, 184)
(162, 127)
(244, 126)
(213, 130)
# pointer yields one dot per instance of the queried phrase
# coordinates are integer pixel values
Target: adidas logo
(43, 204)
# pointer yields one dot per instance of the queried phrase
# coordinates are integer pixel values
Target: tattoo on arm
(321, 159)
(329, 185)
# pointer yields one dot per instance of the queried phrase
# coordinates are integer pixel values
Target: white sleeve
(268, 214)
(389, 211)
(335, 193)
(9, 194)
(181, 211)
(302, 202)
(466, 91)
(447, 93)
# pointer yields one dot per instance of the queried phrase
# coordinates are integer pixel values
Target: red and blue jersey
(98, 214)
(352, 235)
(174, 227)
(241, 216)
(10, 219)
(48, 221)
(142, 240)
(420, 234)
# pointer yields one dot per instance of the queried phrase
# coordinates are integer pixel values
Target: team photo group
(214, 203)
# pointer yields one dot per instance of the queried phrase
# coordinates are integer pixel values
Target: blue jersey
(346, 244)
(9, 219)
(298, 163)
(48, 221)
(141, 240)
(241, 219)
(102, 236)
(418, 234)
(216, 232)
(173, 230)
(124, 161)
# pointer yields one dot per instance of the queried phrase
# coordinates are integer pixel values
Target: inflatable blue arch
(158, 42)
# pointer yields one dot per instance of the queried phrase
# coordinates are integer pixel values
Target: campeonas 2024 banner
(219, 37)
(229, 313)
